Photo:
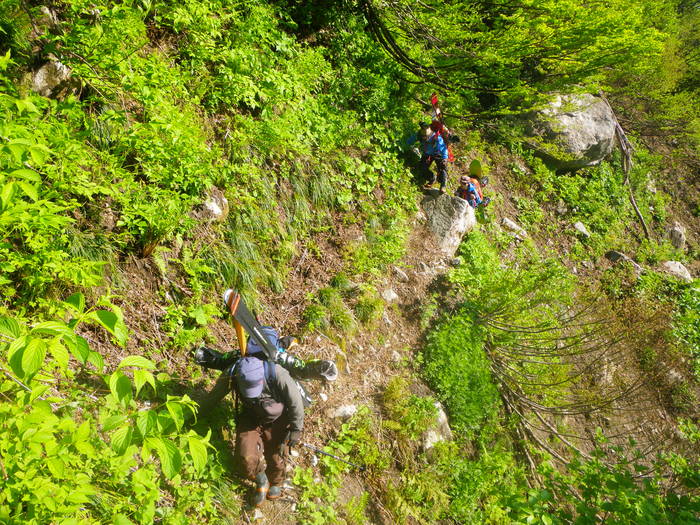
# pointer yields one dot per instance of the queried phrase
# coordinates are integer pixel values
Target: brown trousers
(255, 441)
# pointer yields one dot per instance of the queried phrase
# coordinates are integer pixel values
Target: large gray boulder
(449, 218)
(54, 79)
(573, 131)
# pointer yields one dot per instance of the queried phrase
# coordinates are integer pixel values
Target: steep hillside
(155, 154)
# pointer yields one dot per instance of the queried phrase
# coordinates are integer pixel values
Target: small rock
(587, 264)
(215, 207)
(323, 397)
(511, 225)
(561, 208)
(674, 377)
(345, 412)
(651, 186)
(421, 216)
(387, 320)
(677, 270)
(396, 357)
(581, 228)
(423, 267)
(258, 515)
(400, 274)
(294, 453)
(314, 460)
(615, 257)
(390, 296)
(677, 235)
(456, 261)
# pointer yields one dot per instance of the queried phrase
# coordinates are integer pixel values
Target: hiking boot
(427, 185)
(261, 488)
(274, 492)
(442, 188)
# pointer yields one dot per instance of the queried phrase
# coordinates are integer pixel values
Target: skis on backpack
(314, 369)
(244, 317)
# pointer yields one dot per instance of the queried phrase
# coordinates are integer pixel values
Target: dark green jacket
(285, 388)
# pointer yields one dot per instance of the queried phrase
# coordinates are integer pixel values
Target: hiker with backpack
(470, 190)
(270, 420)
(433, 148)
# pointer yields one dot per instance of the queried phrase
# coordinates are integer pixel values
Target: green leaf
(175, 411)
(56, 467)
(26, 174)
(113, 422)
(95, 358)
(9, 327)
(141, 377)
(120, 519)
(52, 328)
(14, 354)
(170, 459)
(120, 387)
(78, 346)
(17, 151)
(83, 432)
(121, 439)
(38, 391)
(198, 451)
(146, 421)
(39, 154)
(112, 322)
(30, 191)
(59, 352)
(76, 302)
(137, 361)
(33, 357)
(199, 315)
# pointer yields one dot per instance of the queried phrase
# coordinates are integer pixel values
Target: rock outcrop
(574, 131)
(616, 257)
(441, 431)
(448, 219)
(215, 208)
(514, 227)
(677, 270)
(54, 79)
(581, 229)
(677, 235)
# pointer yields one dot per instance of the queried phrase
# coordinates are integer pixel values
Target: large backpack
(246, 372)
(254, 348)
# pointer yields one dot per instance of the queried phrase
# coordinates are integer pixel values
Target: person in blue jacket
(433, 148)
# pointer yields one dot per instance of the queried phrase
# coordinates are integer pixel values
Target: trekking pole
(319, 451)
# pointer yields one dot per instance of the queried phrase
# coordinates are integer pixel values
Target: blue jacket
(435, 147)
(469, 194)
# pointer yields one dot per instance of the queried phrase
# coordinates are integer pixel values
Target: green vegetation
(296, 113)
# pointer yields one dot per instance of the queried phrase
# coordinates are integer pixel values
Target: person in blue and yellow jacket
(433, 148)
